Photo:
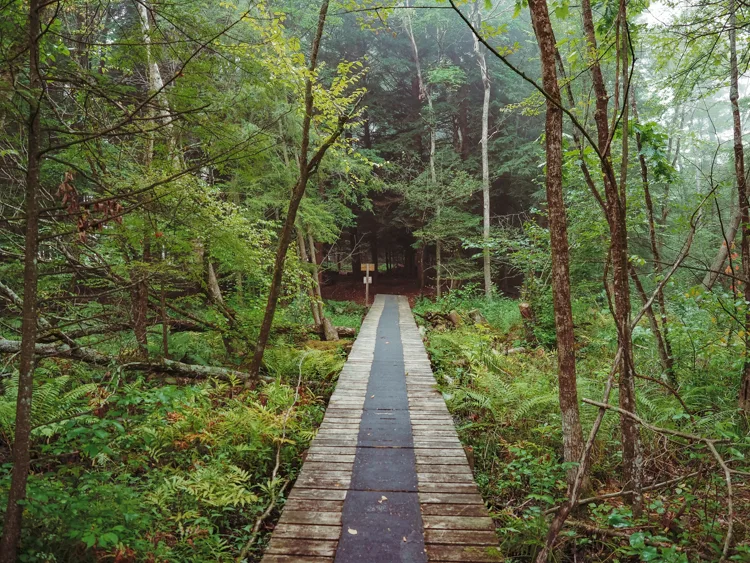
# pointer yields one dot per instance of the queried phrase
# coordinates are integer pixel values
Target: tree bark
(566, 358)
(327, 329)
(310, 292)
(298, 192)
(22, 439)
(482, 61)
(616, 218)
(739, 169)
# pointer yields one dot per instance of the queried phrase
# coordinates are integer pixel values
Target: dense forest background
(188, 191)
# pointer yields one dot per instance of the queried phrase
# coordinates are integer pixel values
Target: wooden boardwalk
(386, 478)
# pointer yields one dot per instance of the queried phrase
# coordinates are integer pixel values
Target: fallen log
(94, 357)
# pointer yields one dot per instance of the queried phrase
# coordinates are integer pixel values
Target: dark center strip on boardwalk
(381, 516)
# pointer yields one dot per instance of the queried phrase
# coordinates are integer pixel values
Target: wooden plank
(309, 548)
(442, 477)
(440, 452)
(450, 498)
(308, 531)
(444, 509)
(311, 465)
(458, 523)
(329, 483)
(314, 505)
(317, 494)
(311, 517)
(463, 554)
(325, 457)
(461, 537)
(459, 488)
(438, 467)
(274, 558)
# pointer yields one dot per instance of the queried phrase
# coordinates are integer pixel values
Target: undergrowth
(502, 392)
(146, 468)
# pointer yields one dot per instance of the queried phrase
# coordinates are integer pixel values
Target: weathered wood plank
(444, 509)
(463, 554)
(458, 523)
(317, 494)
(314, 505)
(444, 477)
(308, 531)
(274, 558)
(461, 537)
(450, 498)
(309, 548)
(312, 517)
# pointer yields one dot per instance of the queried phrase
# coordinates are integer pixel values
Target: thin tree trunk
(424, 94)
(438, 262)
(298, 193)
(728, 237)
(328, 331)
(315, 275)
(310, 292)
(660, 346)
(662, 334)
(420, 266)
(139, 300)
(566, 358)
(214, 291)
(22, 439)
(164, 322)
(739, 169)
(482, 61)
(616, 217)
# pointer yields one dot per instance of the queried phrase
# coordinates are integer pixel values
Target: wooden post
(367, 279)
(367, 286)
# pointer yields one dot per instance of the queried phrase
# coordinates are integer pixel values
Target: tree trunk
(22, 439)
(558, 228)
(212, 282)
(164, 322)
(728, 237)
(310, 292)
(739, 169)
(374, 253)
(661, 334)
(438, 263)
(356, 260)
(424, 94)
(328, 331)
(616, 218)
(420, 266)
(481, 60)
(94, 357)
(298, 193)
(653, 323)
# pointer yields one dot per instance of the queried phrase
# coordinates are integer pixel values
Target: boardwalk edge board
(451, 524)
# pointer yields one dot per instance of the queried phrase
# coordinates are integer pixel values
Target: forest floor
(350, 288)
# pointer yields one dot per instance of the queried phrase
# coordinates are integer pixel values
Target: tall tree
(486, 87)
(22, 443)
(616, 206)
(558, 228)
(307, 165)
(742, 193)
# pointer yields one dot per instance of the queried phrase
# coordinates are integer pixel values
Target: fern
(52, 401)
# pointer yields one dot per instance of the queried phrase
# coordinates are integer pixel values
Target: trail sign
(367, 280)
